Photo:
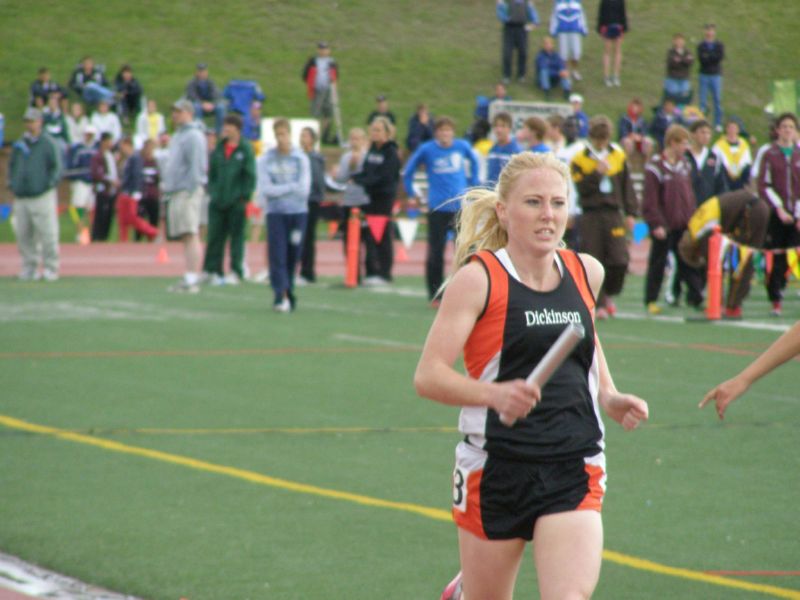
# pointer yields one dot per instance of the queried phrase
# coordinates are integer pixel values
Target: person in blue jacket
(444, 159)
(568, 26)
(518, 17)
(551, 70)
(503, 149)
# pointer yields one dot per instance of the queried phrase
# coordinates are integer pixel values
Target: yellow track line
(255, 430)
(431, 513)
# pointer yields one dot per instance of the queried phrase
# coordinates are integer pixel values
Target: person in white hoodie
(105, 120)
(283, 183)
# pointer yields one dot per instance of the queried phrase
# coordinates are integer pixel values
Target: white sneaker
(617, 81)
(184, 288)
(301, 281)
(260, 277)
(375, 281)
(216, 280)
(608, 81)
(284, 306)
(28, 276)
(50, 275)
(232, 279)
(576, 76)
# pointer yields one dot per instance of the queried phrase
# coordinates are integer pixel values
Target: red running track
(129, 259)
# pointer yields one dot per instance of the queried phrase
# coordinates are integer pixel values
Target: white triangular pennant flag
(408, 230)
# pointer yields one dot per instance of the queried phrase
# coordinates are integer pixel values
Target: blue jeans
(218, 112)
(285, 245)
(713, 84)
(94, 93)
(679, 90)
(548, 80)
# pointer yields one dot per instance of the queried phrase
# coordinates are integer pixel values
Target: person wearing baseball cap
(381, 110)
(204, 95)
(320, 73)
(576, 100)
(34, 171)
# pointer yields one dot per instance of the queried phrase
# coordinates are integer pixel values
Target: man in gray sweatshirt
(34, 172)
(182, 181)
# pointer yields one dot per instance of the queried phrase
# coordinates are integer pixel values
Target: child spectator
(551, 70)
(568, 25)
(320, 73)
(308, 142)
(576, 100)
(79, 173)
(710, 54)
(666, 115)
(42, 87)
(679, 61)
(204, 94)
(284, 181)
(381, 110)
(420, 128)
(504, 148)
(90, 83)
(128, 94)
(734, 153)
(668, 205)
(150, 124)
(77, 122)
(633, 131)
(608, 206)
(130, 193)
(106, 121)
(446, 161)
(612, 24)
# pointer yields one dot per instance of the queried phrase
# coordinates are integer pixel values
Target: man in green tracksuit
(231, 181)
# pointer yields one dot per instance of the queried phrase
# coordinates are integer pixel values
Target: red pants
(128, 217)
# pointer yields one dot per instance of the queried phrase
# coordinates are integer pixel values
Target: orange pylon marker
(714, 277)
(401, 255)
(353, 248)
(162, 257)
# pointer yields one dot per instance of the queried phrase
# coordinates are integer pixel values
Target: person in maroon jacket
(779, 185)
(667, 207)
(320, 73)
(105, 179)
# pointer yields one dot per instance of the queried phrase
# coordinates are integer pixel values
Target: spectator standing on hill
(551, 70)
(710, 54)
(106, 121)
(446, 161)
(677, 84)
(350, 163)
(667, 207)
(612, 25)
(531, 465)
(42, 87)
(320, 73)
(34, 171)
(568, 25)
(382, 110)
(203, 93)
(308, 142)
(779, 184)
(576, 100)
(79, 172)
(518, 18)
(231, 182)
(90, 83)
(105, 178)
(128, 92)
(380, 174)
(633, 131)
(608, 208)
(130, 193)
(734, 153)
(420, 128)
(182, 180)
(149, 205)
(504, 148)
(150, 124)
(284, 182)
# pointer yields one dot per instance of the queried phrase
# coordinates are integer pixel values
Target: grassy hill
(444, 53)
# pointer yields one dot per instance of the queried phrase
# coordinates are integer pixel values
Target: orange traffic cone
(401, 255)
(162, 257)
(83, 237)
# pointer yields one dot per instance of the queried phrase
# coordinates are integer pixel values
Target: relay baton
(556, 355)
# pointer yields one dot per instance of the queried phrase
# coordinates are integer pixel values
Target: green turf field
(203, 447)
